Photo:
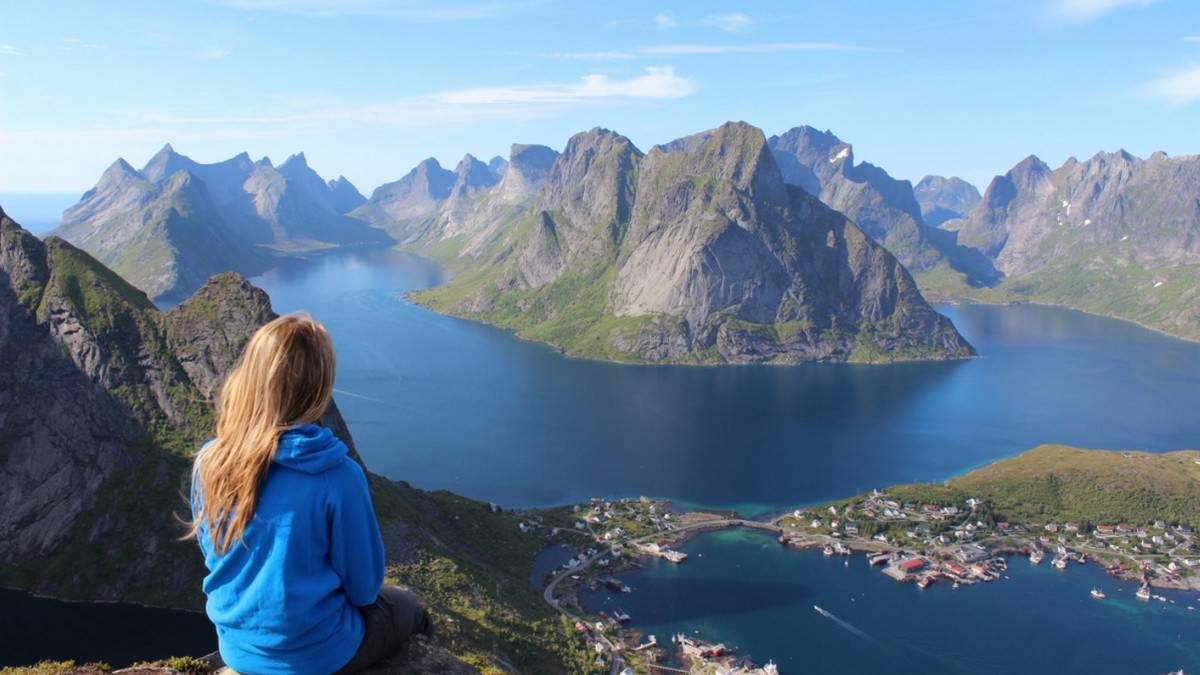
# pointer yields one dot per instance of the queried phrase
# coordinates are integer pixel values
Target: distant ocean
(38, 212)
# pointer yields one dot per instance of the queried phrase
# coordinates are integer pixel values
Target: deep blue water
(448, 403)
(34, 629)
(742, 588)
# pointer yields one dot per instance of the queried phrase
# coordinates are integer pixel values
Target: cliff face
(697, 251)
(104, 400)
(169, 227)
(882, 206)
(944, 199)
(1114, 234)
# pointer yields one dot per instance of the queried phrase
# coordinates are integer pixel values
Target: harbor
(630, 538)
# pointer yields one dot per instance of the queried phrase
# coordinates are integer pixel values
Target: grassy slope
(472, 568)
(1056, 483)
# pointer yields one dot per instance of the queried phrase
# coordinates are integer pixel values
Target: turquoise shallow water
(742, 588)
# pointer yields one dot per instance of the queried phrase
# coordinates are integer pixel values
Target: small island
(1134, 513)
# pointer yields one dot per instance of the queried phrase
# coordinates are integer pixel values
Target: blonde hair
(284, 378)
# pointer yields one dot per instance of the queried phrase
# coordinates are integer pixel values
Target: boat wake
(844, 624)
(343, 392)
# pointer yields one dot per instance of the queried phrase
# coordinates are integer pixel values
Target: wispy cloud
(730, 23)
(707, 49)
(9, 50)
(1082, 10)
(446, 108)
(1178, 89)
(414, 10)
(1192, 38)
(212, 53)
(666, 19)
(657, 82)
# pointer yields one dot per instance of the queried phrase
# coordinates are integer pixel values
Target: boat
(879, 558)
(1060, 563)
(924, 582)
(1036, 555)
(616, 584)
(1098, 594)
(621, 616)
(955, 586)
(828, 550)
(1143, 592)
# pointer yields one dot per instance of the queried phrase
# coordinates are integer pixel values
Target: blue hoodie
(284, 598)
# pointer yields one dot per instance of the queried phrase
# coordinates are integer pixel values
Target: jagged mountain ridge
(697, 250)
(1114, 234)
(944, 199)
(884, 207)
(170, 226)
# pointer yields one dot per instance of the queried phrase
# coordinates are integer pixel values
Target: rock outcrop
(104, 399)
(697, 251)
(943, 199)
(175, 223)
(1114, 234)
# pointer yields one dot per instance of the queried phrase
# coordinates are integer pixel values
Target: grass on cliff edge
(471, 566)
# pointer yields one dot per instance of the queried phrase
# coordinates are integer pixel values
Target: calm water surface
(447, 403)
(742, 588)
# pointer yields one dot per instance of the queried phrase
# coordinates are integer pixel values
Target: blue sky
(367, 88)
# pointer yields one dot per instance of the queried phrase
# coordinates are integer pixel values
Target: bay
(448, 403)
(742, 588)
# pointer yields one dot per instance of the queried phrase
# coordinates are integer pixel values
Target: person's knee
(408, 612)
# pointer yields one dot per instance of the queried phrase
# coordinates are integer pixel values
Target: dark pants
(396, 615)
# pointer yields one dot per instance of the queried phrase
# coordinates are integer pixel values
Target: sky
(368, 88)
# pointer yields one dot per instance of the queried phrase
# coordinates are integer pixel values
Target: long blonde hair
(283, 378)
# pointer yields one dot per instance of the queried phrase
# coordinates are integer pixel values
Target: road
(715, 524)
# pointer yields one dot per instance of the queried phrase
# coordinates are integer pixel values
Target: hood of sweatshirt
(310, 448)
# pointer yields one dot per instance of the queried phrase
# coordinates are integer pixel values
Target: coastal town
(911, 541)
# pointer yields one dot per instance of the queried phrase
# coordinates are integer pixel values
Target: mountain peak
(471, 175)
(297, 160)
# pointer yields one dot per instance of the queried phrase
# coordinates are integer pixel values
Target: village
(965, 544)
(910, 541)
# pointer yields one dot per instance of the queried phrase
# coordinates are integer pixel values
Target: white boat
(1098, 594)
(1035, 556)
(1143, 592)
(621, 616)
(1060, 563)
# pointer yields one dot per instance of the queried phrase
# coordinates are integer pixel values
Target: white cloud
(1083, 10)
(665, 19)
(1179, 89)
(706, 49)
(9, 50)
(730, 23)
(415, 10)
(1192, 38)
(212, 53)
(656, 83)
(438, 109)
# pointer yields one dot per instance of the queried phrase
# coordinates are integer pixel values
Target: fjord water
(447, 403)
(742, 588)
